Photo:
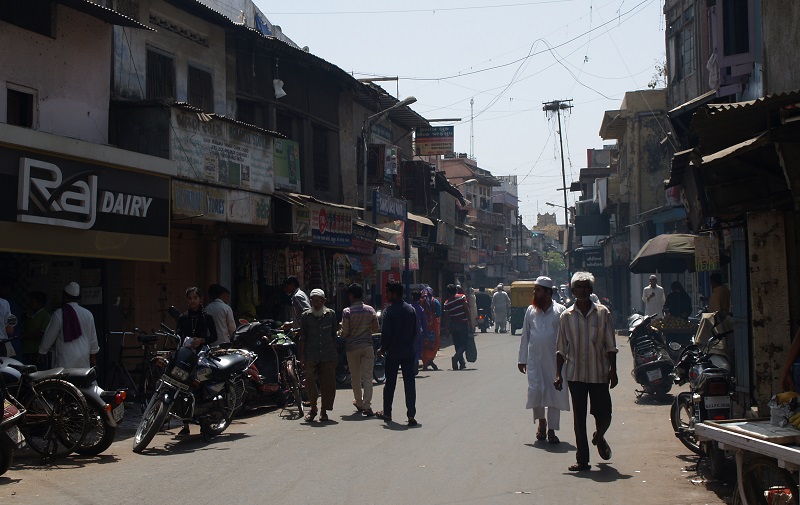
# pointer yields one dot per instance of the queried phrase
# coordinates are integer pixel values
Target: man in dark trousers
(397, 344)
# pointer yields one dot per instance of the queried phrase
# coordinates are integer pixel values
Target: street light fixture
(554, 205)
(468, 181)
(366, 126)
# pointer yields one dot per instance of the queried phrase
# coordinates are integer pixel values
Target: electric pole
(557, 106)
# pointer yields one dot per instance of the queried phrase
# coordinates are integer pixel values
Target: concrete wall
(349, 143)
(68, 74)
(130, 54)
(781, 32)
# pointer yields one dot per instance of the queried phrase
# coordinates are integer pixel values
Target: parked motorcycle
(205, 388)
(711, 386)
(11, 437)
(343, 375)
(484, 320)
(652, 366)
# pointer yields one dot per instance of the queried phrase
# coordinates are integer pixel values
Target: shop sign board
(363, 239)
(593, 260)
(324, 225)
(221, 152)
(388, 206)
(434, 140)
(92, 208)
(706, 254)
(220, 204)
(287, 164)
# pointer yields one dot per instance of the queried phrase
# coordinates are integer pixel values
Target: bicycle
(150, 368)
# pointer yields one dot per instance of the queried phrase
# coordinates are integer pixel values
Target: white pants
(553, 416)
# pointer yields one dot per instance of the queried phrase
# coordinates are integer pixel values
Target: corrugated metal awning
(110, 16)
(420, 219)
(385, 243)
(301, 199)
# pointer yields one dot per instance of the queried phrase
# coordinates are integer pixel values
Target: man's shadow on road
(601, 472)
(559, 448)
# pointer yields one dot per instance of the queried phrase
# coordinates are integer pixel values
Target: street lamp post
(566, 234)
(365, 127)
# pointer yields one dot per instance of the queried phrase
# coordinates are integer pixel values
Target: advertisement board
(287, 164)
(434, 140)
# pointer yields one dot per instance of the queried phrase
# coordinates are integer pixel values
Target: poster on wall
(221, 152)
(706, 254)
(287, 164)
(220, 204)
(331, 225)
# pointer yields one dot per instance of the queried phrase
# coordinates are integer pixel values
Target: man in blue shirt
(398, 333)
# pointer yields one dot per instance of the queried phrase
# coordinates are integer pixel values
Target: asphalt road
(475, 444)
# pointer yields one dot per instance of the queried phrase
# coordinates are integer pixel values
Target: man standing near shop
(653, 297)
(220, 311)
(500, 305)
(359, 322)
(72, 331)
(455, 320)
(720, 295)
(300, 303)
(318, 356)
(398, 333)
(587, 346)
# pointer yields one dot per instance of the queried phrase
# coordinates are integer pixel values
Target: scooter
(484, 320)
(652, 365)
(11, 437)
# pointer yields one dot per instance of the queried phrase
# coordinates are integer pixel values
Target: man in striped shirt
(456, 320)
(586, 344)
(359, 322)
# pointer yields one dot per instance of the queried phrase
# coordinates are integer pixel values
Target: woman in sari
(433, 313)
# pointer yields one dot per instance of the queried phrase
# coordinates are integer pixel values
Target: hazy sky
(509, 56)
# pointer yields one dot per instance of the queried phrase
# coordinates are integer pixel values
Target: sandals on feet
(577, 467)
(382, 415)
(540, 434)
(324, 418)
(603, 448)
(310, 416)
(552, 438)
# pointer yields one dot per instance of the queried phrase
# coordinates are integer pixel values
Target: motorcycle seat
(24, 369)
(53, 373)
(81, 377)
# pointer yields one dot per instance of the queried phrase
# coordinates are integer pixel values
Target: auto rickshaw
(521, 296)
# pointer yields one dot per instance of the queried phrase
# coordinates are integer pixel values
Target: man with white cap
(318, 355)
(654, 298)
(500, 305)
(72, 331)
(537, 359)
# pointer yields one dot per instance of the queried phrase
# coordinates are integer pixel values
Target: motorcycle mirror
(173, 312)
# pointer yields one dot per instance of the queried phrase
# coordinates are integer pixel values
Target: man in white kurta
(537, 359)
(79, 350)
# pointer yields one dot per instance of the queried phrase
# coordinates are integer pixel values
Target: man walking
(455, 319)
(653, 298)
(72, 330)
(537, 359)
(586, 344)
(220, 311)
(398, 333)
(500, 305)
(318, 328)
(359, 322)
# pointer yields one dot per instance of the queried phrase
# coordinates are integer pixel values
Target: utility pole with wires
(557, 106)
(471, 129)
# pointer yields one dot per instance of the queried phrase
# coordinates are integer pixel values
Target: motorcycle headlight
(179, 373)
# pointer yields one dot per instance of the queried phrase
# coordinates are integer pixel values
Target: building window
(200, 89)
(735, 27)
(19, 108)
(283, 125)
(34, 16)
(681, 44)
(321, 167)
(250, 112)
(160, 75)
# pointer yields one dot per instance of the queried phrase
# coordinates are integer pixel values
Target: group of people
(575, 345)
(677, 302)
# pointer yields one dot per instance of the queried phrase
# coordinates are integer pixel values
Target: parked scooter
(484, 320)
(652, 365)
(205, 388)
(711, 386)
(11, 437)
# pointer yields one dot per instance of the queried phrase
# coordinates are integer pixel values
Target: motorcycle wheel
(484, 330)
(217, 422)
(716, 459)
(293, 382)
(56, 419)
(762, 478)
(100, 435)
(663, 390)
(681, 414)
(153, 418)
(379, 371)
(6, 455)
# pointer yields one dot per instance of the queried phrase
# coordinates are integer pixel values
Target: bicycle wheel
(57, 418)
(764, 482)
(293, 384)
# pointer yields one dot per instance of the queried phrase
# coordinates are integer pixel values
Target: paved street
(475, 444)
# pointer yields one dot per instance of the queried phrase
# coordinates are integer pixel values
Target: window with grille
(160, 75)
(321, 166)
(681, 44)
(200, 89)
(19, 108)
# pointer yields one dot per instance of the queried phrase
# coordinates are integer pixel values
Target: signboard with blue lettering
(388, 206)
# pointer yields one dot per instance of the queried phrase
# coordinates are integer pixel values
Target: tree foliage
(556, 266)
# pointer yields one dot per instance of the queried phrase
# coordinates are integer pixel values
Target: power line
(432, 10)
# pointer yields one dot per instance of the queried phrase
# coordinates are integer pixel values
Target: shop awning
(737, 149)
(301, 199)
(385, 243)
(420, 219)
(110, 16)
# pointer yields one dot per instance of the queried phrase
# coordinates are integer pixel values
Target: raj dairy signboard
(221, 152)
(434, 140)
(388, 206)
(220, 204)
(89, 208)
(706, 254)
(287, 164)
(324, 225)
